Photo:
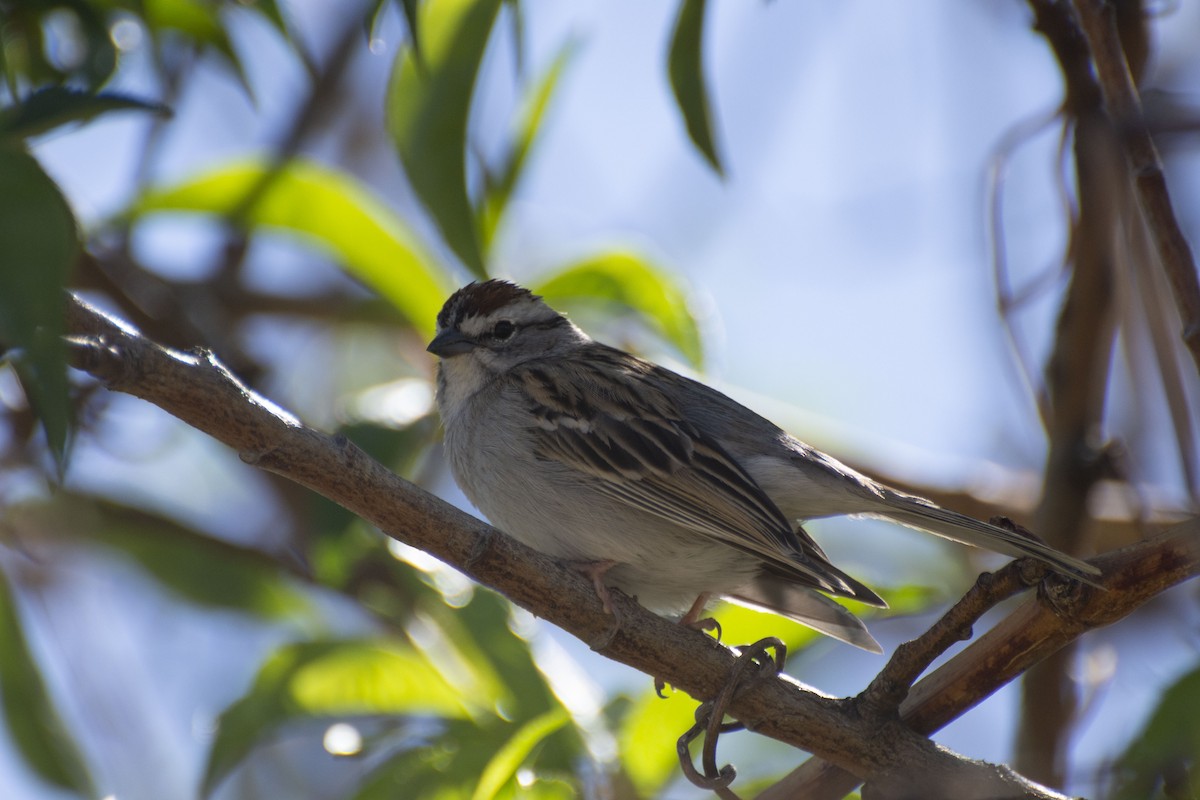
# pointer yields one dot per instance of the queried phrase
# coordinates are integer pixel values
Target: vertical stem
(1077, 376)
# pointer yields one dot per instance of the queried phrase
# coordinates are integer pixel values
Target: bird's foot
(596, 570)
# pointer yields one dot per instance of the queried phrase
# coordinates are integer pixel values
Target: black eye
(503, 330)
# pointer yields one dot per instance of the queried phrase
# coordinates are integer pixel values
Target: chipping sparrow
(654, 483)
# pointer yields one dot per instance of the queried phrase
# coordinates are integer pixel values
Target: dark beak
(450, 343)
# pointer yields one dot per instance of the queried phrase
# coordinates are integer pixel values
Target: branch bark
(894, 759)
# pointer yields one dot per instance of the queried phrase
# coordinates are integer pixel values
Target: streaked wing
(607, 421)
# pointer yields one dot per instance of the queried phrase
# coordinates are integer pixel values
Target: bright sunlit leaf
(33, 724)
(332, 209)
(516, 750)
(38, 245)
(687, 79)
(427, 110)
(329, 679)
(647, 737)
(634, 283)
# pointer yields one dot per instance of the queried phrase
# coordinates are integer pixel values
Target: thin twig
(882, 698)
(1124, 105)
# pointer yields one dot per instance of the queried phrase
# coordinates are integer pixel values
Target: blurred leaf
(427, 113)
(52, 106)
(35, 727)
(199, 568)
(647, 736)
(271, 11)
(329, 679)
(38, 245)
(1167, 751)
(536, 102)
(482, 632)
(200, 21)
(26, 51)
(331, 207)
(687, 79)
(412, 18)
(444, 767)
(634, 283)
(516, 750)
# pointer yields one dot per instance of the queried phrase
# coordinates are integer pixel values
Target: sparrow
(653, 483)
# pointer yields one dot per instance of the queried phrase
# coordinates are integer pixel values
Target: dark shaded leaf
(33, 724)
(427, 115)
(38, 245)
(687, 79)
(538, 99)
(412, 18)
(49, 107)
(633, 283)
(1166, 754)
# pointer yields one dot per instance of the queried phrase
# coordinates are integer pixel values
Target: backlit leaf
(333, 210)
(329, 679)
(646, 739)
(634, 283)
(503, 766)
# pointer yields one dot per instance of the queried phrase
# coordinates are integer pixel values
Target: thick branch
(889, 755)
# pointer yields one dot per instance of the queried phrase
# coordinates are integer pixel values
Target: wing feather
(638, 448)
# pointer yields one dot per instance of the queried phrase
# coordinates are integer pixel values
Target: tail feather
(808, 607)
(914, 512)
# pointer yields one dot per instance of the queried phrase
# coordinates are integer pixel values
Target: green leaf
(412, 14)
(271, 12)
(647, 736)
(53, 106)
(427, 115)
(1169, 745)
(537, 100)
(514, 752)
(687, 79)
(330, 208)
(634, 283)
(38, 245)
(329, 679)
(33, 724)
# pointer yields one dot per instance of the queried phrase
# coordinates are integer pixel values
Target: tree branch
(890, 756)
(1098, 21)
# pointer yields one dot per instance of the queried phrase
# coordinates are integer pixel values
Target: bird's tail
(918, 513)
(808, 607)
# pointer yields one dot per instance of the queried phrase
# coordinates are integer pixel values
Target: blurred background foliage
(174, 624)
